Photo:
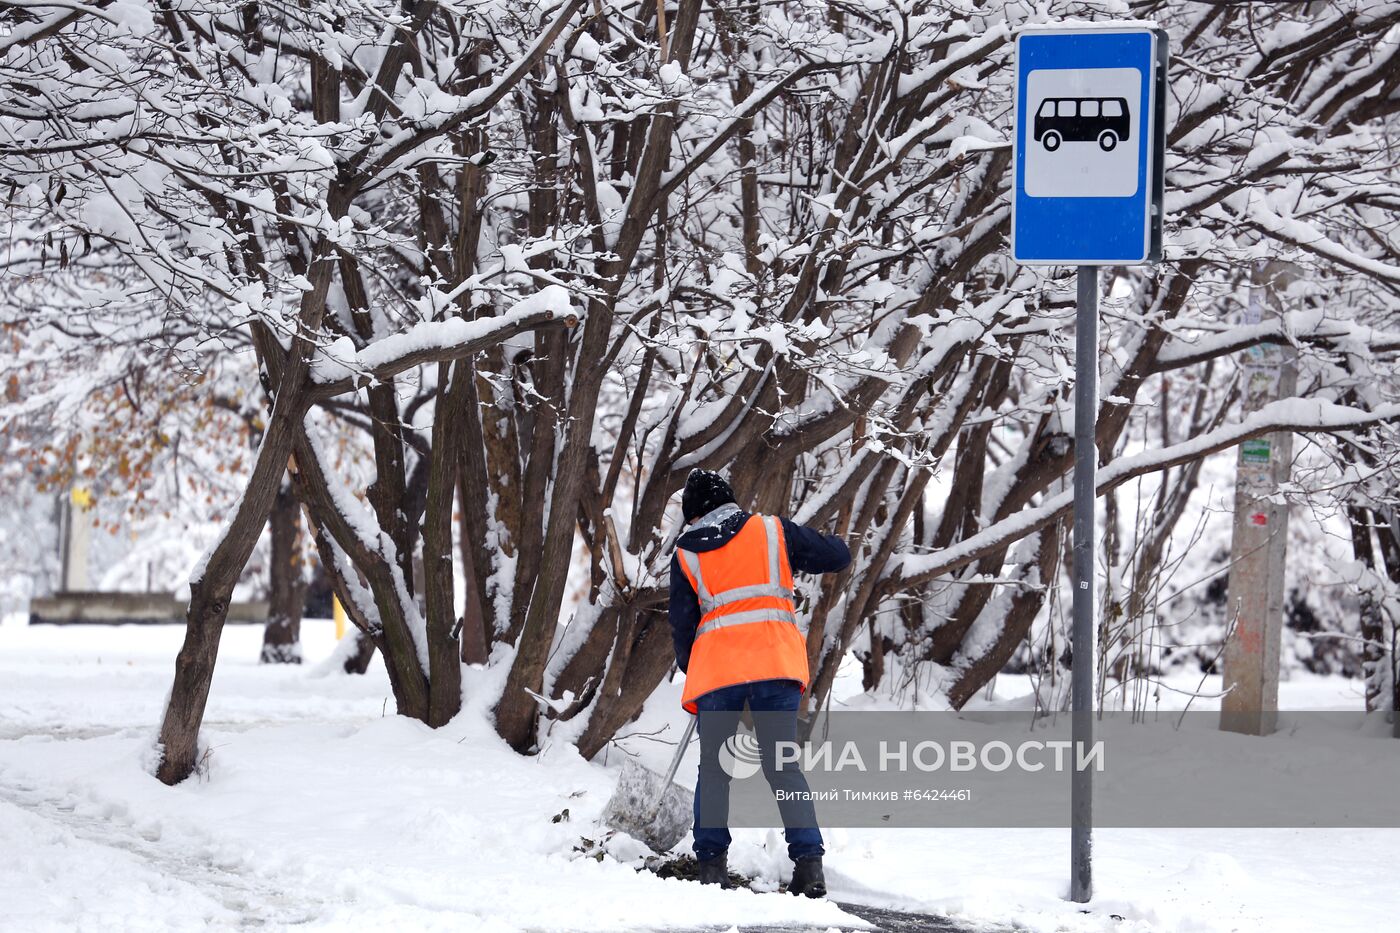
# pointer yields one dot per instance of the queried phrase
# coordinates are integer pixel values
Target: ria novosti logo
(740, 757)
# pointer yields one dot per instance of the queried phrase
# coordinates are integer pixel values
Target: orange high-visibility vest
(748, 623)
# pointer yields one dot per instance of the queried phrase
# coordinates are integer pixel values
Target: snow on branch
(1295, 414)
(1306, 236)
(1296, 327)
(472, 107)
(339, 368)
(745, 110)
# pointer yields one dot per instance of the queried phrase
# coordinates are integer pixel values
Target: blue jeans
(718, 719)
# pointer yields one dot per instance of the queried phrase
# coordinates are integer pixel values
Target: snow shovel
(651, 808)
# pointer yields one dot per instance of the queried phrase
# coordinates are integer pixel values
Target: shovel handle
(680, 752)
(671, 772)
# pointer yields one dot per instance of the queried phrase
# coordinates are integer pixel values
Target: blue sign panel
(1088, 146)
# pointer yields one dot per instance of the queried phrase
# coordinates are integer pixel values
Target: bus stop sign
(1089, 103)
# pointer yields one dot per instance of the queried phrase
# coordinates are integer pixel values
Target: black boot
(714, 871)
(807, 877)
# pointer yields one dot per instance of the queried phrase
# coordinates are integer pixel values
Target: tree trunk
(1372, 633)
(517, 711)
(1037, 580)
(1388, 699)
(646, 656)
(287, 590)
(444, 653)
(212, 587)
(358, 662)
(210, 594)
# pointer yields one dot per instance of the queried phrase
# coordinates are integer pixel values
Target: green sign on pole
(1256, 450)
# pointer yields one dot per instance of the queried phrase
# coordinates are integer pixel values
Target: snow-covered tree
(206, 165)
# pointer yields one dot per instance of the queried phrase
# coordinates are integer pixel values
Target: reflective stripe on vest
(743, 618)
(774, 588)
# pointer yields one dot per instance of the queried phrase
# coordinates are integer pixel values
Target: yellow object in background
(338, 611)
(81, 497)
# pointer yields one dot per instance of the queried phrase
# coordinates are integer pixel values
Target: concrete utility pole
(1259, 546)
(77, 534)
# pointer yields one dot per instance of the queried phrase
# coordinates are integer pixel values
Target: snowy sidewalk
(118, 858)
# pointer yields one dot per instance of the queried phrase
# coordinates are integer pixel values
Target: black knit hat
(705, 491)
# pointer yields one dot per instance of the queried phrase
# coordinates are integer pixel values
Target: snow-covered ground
(319, 807)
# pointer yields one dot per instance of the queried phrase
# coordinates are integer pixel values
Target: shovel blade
(633, 808)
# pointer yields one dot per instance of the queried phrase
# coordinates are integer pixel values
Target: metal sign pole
(1086, 649)
(1088, 152)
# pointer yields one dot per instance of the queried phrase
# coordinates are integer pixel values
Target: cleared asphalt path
(884, 921)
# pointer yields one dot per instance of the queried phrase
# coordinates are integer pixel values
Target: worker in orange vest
(735, 629)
